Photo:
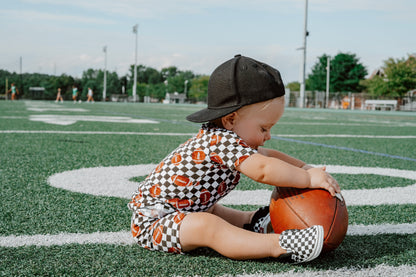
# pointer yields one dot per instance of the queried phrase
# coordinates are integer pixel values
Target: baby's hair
(267, 102)
(217, 122)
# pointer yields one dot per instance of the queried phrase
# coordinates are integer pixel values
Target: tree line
(347, 74)
(150, 82)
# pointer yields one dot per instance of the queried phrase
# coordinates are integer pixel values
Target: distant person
(59, 96)
(345, 102)
(90, 94)
(74, 93)
(13, 89)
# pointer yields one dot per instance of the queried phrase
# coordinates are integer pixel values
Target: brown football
(292, 208)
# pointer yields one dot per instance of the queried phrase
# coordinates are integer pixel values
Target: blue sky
(57, 36)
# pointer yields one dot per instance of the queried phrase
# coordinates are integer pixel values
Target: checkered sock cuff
(260, 223)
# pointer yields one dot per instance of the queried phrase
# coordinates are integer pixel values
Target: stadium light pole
(305, 34)
(105, 73)
(5, 89)
(21, 75)
(328, 68)
(186, 88)
(135, 31)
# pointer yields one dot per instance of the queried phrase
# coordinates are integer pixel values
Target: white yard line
(379, 270)
(93, 133)
(366, 124)
(122, 237)
(71, 119)
(344, 136)
(192, 134)
(125, 237)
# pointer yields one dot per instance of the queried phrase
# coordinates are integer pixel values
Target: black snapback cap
(236, 83)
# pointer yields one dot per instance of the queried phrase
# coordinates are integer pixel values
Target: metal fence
(347, 100)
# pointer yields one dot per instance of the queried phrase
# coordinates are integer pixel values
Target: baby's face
(254, 122)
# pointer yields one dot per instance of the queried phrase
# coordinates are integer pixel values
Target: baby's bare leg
(209, 230)
(235, 217)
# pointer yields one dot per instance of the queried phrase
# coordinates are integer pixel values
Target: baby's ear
(228, 120)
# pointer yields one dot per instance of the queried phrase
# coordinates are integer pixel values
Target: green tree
(157, 91)
(94, 79)
(199, 89)
(150, 82)
(145, 76)
(169, 72)
(399, 76)
(317, 80)
(64, 82)
(28, 80)
(152, 76)
(113, 83)
(346, 72)
(89, 80)
(177, 82)
(293, 86)
(11, 78)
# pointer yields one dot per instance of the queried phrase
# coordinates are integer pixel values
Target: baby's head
(237, 83)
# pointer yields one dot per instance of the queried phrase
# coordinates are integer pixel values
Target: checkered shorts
(160, 234)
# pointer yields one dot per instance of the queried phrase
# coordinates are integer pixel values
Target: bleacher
(383, 105)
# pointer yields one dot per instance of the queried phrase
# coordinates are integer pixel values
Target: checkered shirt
(194, 176)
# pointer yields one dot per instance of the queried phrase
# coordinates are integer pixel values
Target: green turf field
(53, 231)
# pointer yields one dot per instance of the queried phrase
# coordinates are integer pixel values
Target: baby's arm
(291, 160)
(284, 157)
(279, 173)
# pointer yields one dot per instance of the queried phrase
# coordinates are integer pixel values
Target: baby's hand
(319, 178)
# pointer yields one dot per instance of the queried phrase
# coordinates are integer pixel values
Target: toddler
(175, 208)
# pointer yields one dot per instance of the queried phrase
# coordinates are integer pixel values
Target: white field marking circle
(358, 197)
(101, 181)
(71, 119)
(114, 181)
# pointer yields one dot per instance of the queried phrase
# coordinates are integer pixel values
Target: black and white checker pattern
(304, 245)
(263, 225)
(210, 179)
(208, 176)
(148, 226)
(260, 222)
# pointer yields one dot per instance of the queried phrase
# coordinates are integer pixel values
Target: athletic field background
(67, 171)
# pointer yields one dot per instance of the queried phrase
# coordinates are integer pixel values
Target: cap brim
(207, 114)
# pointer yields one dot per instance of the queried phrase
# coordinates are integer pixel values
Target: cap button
(238, 55)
